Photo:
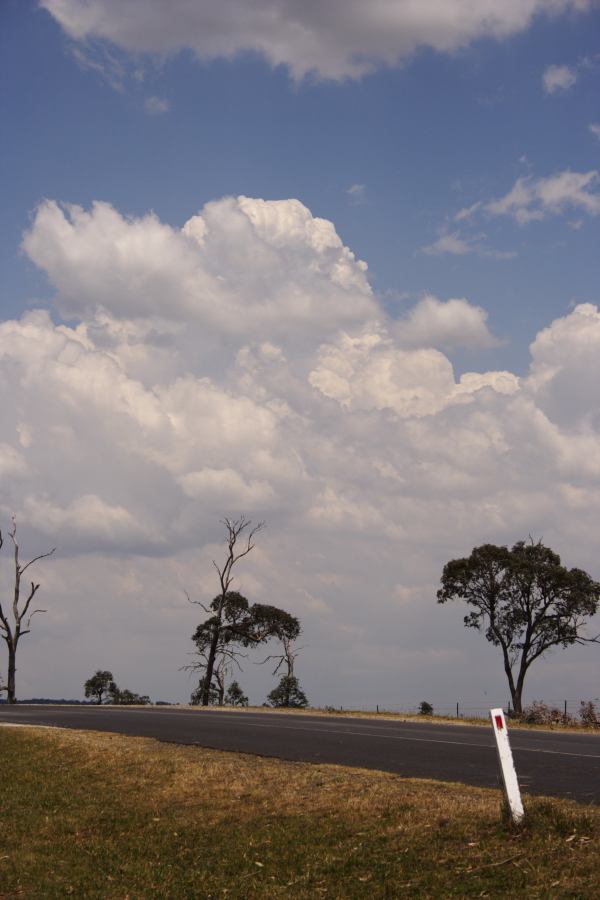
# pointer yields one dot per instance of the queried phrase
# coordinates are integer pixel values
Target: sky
(333, 266)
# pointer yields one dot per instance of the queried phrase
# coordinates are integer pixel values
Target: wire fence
(465, 709)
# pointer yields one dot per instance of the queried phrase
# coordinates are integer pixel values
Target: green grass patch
(95, 815)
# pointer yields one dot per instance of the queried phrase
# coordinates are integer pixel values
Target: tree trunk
(516, 700)
(515, 690)
(12, 668)
(220, 679)
(517, 693)
(210, 664)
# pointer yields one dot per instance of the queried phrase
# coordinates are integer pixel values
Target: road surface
(560, 764)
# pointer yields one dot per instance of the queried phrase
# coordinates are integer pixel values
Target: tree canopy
(99, 685)
(524, 600)
(240, 624)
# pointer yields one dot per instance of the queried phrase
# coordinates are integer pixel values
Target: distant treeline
(40, 700)
(46, 700)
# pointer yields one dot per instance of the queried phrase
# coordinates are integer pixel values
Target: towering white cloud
(241, 363)
(333, 38)
(240, 267)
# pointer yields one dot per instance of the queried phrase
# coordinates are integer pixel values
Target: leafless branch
(28, 622)
(288, 657)
(197, 602)
(36, 558)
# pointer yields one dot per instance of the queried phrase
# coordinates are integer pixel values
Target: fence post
(512, 793)
(565, 709)
(457, 716)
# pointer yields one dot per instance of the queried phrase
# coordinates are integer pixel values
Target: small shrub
(235, 695)
(288, 693)
(539, 713)
(425, 708)
(589, 714)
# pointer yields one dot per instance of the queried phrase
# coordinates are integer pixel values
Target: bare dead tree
(13, 628)
(286, 658)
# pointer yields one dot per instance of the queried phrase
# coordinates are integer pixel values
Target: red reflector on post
(499, 724)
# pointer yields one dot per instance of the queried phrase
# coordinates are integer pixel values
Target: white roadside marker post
(510, 783)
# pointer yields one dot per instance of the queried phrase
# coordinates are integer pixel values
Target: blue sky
(456, 151)
(426, 138)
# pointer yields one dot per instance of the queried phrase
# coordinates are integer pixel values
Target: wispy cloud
(560, 79)
(450, 243)
(557, 79)
(455, 244)
(467, 212)
(532, 199)
(156, 106)
(357, 192)
(92, 57)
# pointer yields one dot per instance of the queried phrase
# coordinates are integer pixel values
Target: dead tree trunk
(16, 624)
(11, 674)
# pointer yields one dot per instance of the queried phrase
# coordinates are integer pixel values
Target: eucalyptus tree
(100, 686)
(525, 601)
(233, 624)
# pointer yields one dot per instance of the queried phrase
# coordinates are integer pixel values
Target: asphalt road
(566, 765)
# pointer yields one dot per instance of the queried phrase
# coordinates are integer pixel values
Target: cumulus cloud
(566, 368)
(241, 266)
(370, 372)
(557, 79)
(241, 363)
(333, 39)
(453, 323)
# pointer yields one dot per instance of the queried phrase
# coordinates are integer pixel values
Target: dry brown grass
(100, 815)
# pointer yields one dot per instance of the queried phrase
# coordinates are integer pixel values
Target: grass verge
(96, 815)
